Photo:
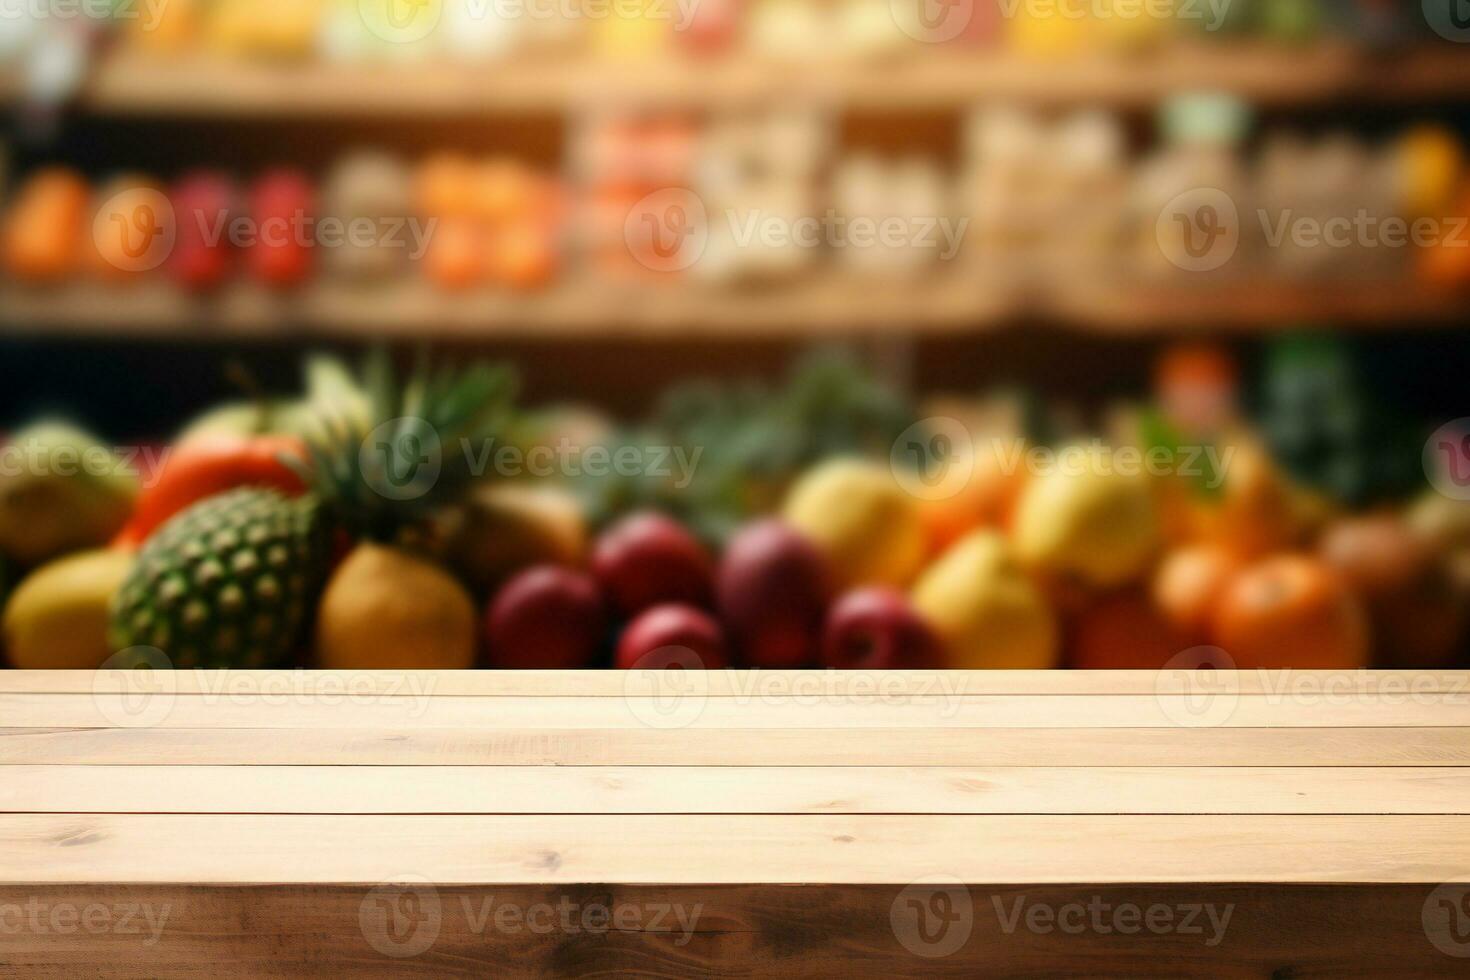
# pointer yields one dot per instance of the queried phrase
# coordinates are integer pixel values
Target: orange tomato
(1291, 611)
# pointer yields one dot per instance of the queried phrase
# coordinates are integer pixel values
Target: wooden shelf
(127, 83)
(830, 306)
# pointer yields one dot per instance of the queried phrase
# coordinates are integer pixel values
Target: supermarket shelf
(1255, 305)
(126, 83)
(815, 307)
(831, 306)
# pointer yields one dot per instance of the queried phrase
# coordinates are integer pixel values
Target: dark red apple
(877, 629)
(647, 559)
(282, 212)
(204, 203)
(772, 593)
(547, 617)
(672, 636)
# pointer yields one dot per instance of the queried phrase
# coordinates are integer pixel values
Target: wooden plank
(225, 849)
(741, 931)
(730, 789)
(697, 712)
(1325, 684)
(1327, 747)
(129, 83)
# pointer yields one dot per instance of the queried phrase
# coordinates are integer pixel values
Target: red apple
(547, 617)
(647, 559)
(772, 593)
(204, 204)
(672, 636)
(877, 629)
(282, 209)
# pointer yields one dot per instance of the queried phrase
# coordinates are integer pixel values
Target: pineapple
(233, 580)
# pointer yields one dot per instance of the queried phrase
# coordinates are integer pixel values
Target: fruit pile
(463, 222)
(375, 523)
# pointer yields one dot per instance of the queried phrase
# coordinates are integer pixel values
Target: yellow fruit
(57, 619)
(61, 491)
(859, 517)
(1431, 162)
(986, 612)
(506, 527)
(1086, 519)
(385, 608)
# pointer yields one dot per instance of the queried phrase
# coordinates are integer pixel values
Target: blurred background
(783, 231)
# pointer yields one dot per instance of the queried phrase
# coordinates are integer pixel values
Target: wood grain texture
(1327, 684)
(1327, 747)
(739, 931)
(256, 818)
(695, 712)
(776, 790)
(728, 849)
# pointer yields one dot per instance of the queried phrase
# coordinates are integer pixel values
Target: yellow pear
(1088, 519)
(57, 618)
(386, 608)
(985, 610)
(857, 515)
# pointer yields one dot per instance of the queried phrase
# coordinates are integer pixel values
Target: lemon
(986, 612)
(855, 512)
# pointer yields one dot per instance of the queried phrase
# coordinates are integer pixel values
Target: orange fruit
(44, 231)
(524, 256)
(1258, 513)
(446, 187)
(987, 500)
(456, 254)
(1188, 583)
(1291, 611)
(1124, 632)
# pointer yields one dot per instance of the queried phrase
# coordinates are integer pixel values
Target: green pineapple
(233, 580)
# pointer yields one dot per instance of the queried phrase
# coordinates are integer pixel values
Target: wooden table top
(1303, 798)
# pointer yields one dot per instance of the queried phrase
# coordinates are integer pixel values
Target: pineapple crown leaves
(416, 450)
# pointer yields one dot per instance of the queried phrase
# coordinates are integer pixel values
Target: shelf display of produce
(777, 174)
(780, 229)
(824, 521)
